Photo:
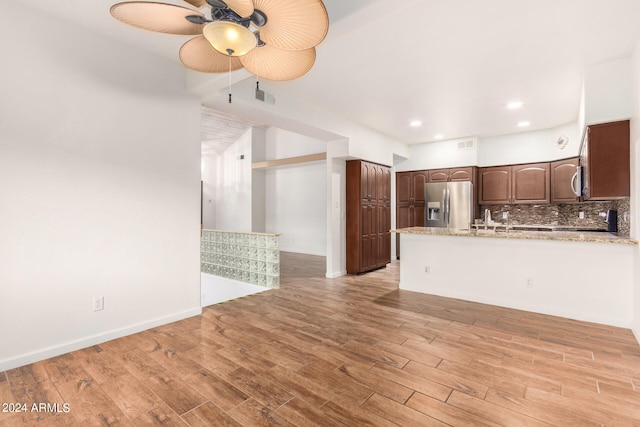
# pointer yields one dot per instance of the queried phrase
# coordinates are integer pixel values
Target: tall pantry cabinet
(368, 216)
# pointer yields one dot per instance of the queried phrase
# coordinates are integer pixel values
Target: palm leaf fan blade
(293, 24)
(197, 3)
(272, 63)
(159, 17)
(244, 8)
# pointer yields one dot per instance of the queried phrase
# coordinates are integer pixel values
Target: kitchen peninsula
(580, 275)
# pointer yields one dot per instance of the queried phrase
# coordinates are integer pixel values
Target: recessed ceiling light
(523, 124)
(514, 105)
(415, 123)
(438, 136)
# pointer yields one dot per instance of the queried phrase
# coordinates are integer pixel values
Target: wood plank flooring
(351, 351)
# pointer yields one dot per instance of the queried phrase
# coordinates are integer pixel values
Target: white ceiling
(453, 64)
(219, 131)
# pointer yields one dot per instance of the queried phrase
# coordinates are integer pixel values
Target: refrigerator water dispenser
(433, 211)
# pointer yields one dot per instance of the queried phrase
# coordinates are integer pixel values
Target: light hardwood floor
(350, 351)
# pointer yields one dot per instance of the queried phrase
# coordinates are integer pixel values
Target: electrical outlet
(529, 283)
(98, 303)
(427, 269)
(505, 215)
(581, 215)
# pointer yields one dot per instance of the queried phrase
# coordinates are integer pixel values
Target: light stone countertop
(569, 236)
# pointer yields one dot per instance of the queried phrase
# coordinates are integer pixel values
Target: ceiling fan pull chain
(229, 79)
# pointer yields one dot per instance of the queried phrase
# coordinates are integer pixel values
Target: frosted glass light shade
(230, 38)
(198, 55)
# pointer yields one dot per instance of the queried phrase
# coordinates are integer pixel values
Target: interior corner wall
(296, 195)
(608, 91)
(635, 182)
(100, 184)
(233, 181)
(336, 209)
(258, 181)
(209, 191)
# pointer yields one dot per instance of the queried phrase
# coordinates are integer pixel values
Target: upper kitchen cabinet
(531, 183)
(562, 181)
(495, 185)
(528, 183)
(453, 174)
(605, 158)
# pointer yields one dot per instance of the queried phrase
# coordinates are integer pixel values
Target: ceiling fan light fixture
(230, 38)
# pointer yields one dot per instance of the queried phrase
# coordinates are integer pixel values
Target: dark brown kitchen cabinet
(368, 216)
(562, 181)
(495, 185)
(526, 183)
(531, 183)
(605, 159)
(410, 205)
(452, 174)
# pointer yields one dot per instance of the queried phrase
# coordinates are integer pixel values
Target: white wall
(496, 271)
(607, 91)
(440, 154)
(296, 195)
(525, 147)
(233, 192)
(528, 147)
(258, 181)
(209, 191)
(99, 176)
(336, 212)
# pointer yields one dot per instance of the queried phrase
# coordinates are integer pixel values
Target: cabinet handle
(576, 180)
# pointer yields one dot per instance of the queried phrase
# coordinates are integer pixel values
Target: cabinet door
(584, 162)
(417, 215)
(439, 175)
(384, 185)
(403, 220)
(384, 235)
(368, 236)
(495, 185)
(608, 161)
(368, 177)
(403, 188)
(461, 174)
(530, 183)
(562, 172)
(384, 249)
(418, 180)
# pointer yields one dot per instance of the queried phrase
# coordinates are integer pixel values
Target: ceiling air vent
(466, 145)
(267, 97)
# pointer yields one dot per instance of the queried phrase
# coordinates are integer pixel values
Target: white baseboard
(333, 275)
(67, 347)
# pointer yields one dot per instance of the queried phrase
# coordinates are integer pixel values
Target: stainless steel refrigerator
(449, 204)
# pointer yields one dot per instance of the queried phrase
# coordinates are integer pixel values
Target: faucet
(487, 218)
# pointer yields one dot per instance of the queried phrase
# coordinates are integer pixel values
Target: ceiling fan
(274, 39)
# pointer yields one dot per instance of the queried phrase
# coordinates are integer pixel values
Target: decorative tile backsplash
(247, 257)
(567, 214)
